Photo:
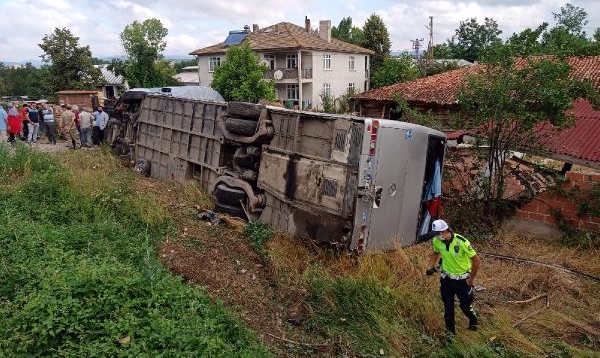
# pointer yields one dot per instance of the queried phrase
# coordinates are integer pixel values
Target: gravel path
(60, 146)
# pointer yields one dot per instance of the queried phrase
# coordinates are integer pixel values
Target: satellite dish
(278, 75)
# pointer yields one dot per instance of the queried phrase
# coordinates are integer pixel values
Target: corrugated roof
(287, 36)
(442, 88)
(109, 77)
(580, 141)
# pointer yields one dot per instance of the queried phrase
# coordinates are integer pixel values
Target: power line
(416, 45)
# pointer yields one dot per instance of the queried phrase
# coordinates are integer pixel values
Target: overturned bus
(360, 183)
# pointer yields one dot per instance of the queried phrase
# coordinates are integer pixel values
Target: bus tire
(244, 109)
(240, 126)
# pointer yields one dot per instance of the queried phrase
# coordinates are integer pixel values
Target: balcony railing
(307, 73)
(281, 74)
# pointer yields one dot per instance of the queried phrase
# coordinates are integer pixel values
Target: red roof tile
(442, 88)
(581, 141)
(439, 89)
(286, 36)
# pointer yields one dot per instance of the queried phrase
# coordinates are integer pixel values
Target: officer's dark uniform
(456, 257)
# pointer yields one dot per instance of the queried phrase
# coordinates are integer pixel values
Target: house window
(213, 63)
(270, 61)
(351, 63)
(327, 62)
(327, 89)
(292, 92)
(351, 88)
(292, 61)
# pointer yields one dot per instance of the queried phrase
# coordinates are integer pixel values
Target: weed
(259, 234)
(193, 243)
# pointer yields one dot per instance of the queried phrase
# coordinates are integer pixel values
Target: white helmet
(439, 226)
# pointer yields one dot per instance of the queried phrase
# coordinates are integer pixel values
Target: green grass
(79, 274)
(259, 235)
(370, 318)
(382, 304)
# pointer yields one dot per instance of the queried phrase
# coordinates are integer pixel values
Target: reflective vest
(456, 254)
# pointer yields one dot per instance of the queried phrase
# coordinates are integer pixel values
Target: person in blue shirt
(3, 124)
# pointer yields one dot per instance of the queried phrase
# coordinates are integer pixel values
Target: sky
(196, 24)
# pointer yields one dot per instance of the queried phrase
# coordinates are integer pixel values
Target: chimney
(255, 28)
(307, 24)
(325, 30)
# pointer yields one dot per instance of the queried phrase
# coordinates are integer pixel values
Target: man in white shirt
(101, 120)
(85, 121)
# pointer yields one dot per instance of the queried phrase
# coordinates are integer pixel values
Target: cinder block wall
(79, 99)
(539, 209)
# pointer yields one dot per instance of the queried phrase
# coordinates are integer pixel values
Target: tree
(505, 104)
(23, 81)
(145, 65)
(471, 38)
(240, 77)
(377, 38)
(572, 18)
(395, 70)
(527, 42)
(179, 65)
(442, 51)
(429, 68)
(346, 32)
(100, 61)
(69, 65)
(567, 37)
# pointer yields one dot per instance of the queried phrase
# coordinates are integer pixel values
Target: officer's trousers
(449, 288)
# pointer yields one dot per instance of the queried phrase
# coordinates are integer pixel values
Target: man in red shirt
(24, 112)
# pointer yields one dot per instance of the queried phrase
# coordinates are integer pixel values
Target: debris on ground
(210, 216)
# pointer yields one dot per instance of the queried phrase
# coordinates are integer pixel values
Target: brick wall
(539, 209)
(79, 99)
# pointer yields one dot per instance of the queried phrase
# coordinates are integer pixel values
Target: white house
(304, 63)
(188, 76)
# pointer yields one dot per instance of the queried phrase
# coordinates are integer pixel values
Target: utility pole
(417, 45)
(430, 44)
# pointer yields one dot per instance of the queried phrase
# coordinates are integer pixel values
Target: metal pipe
(255, 202)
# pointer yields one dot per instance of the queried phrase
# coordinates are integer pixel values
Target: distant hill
(168, 57)
(38, 62)
(34, 63)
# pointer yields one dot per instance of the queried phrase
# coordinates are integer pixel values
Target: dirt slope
(221, 260)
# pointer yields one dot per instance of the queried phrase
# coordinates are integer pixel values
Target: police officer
(458, 269)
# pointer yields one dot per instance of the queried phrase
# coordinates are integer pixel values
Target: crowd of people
(81, 127)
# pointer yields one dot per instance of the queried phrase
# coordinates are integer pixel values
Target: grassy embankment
(83, 279)
(79, 275)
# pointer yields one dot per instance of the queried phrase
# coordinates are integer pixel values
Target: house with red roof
(575, 145)
(304, 63)
(579, 144)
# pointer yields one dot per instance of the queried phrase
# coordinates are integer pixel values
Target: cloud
(196, 24)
